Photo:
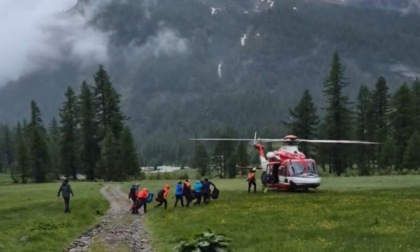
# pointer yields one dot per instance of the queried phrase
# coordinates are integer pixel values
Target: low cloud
(40, 34)
(166, 42)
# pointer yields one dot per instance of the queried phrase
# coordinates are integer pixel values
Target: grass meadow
(32, 217)
(346, 214)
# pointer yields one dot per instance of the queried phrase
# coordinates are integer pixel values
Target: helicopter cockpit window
(296, 168)
(312, 168)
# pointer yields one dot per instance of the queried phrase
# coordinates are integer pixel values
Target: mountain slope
(188, 66)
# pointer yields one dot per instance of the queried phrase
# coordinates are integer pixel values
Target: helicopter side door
(283, 174)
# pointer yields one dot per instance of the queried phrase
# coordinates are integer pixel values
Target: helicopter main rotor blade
(221, 139)
(336, 141)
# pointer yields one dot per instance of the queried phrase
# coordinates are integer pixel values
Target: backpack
(133, 190)
(160, 194)
(215, 193)
(150, 198)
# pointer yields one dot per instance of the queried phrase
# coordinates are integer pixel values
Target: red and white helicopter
(287, 167)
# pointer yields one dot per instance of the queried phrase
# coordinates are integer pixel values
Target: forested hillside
(192, 67)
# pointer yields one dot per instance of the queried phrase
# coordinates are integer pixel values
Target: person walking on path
(65, 189)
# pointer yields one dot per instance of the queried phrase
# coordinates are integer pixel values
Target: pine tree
(54, 147)
(129, 161)
(22, 156)
(380, 109)
(107, 103)
(90, 151)
(364, 129)
(109, 158)
(402, 120)
(304, 120)
(69, 135)
(200, 159)
(8, 151)
(411, 159)
(227, 150)
(1, 150)
(416, 92)
(338, 113)
(37, 145)
(387, 155)
(242, 155)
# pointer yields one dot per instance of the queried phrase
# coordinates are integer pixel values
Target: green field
(345, 214)
(32, 217)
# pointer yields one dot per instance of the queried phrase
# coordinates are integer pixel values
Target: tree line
(90, 138)
(392, 120)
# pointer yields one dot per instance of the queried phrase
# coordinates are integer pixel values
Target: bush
(184, 176)
(205, 242)
(167, 176)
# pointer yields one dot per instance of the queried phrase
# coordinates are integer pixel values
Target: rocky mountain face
(189, 66)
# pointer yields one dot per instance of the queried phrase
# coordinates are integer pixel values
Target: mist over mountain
(404, 6)
(189, 66)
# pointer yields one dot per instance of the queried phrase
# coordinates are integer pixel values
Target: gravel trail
(119, 230)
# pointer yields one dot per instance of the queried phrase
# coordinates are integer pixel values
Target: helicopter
(287, 167)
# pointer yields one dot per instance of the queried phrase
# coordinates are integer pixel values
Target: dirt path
(119, 230)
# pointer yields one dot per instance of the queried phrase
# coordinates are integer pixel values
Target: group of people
(200, 191)
(252, 181)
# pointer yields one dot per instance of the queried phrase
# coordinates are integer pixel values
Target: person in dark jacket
(251, 180)
(187, 192)
(161, 197)
(205, 190)
(65, 189)
(264, 181)
(134, 190)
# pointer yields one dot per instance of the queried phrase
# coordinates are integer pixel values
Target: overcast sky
(36, 34)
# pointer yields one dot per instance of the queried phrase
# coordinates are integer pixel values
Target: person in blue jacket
(178, 194)
(197, 188)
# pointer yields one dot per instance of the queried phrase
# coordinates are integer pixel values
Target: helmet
(254, 169)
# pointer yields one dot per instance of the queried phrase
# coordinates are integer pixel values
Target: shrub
(167, 175)
(205, 242)
(184, 176)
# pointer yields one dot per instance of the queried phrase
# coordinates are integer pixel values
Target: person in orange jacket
(251, 180)
(161, 196)
(141, 200)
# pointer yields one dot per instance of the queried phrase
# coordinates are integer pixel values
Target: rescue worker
(186, 191)
(142, 200)
(197, 188)
(178, 194)
(205, 190)
(161, 196)
(251, 180)
(264, 181)
(133, 192)
(65, 188)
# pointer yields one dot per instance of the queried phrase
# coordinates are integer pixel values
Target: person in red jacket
(141, 200)
(161, 196)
